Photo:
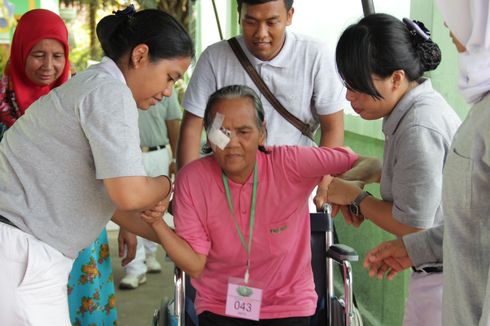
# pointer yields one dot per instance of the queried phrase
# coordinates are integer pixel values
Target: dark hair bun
(428, 51)
(429, 54)
(165, 37)
(107, 30)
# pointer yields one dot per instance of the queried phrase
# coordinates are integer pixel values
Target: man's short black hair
(287, 3)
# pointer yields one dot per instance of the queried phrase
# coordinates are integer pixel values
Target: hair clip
(129, 12)
(417, 28)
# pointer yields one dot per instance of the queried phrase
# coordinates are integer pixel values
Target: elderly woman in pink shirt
(242, 220)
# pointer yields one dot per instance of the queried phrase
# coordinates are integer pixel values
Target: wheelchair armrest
(341, 253)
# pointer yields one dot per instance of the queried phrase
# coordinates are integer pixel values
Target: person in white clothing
(159, 129)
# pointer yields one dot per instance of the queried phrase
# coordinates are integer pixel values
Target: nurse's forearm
(380, 213)
(132, 222)
(137, 193)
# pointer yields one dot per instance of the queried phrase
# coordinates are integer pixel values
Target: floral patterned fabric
(8, 107)
(91, 293)
(2, 130)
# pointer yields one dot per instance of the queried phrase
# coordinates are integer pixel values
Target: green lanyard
(252, 218)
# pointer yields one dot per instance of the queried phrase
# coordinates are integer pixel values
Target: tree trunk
(182, 10)
(93, 37)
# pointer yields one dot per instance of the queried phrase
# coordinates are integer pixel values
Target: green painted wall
(197, 41)
(445, 77)
(233, 19)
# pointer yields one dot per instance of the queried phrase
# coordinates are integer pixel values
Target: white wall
(326, 19)
(209, 28)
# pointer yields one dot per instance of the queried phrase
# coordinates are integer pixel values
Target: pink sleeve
(313, 162)
(189, 214)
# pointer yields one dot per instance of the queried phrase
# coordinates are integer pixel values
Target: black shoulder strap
(304, 128)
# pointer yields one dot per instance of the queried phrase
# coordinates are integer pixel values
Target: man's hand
(127, 242)
(390, 258)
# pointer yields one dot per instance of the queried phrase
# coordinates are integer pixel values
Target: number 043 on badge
(243, 300)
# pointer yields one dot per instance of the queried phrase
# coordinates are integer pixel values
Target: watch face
(354, 209)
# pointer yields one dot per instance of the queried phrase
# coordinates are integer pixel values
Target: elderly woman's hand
(343, 192)
(322, 191)
(154, 216)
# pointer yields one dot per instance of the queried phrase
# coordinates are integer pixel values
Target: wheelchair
(331, 310)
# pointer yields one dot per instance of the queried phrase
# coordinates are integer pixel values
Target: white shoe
(132, 281)
(152, 264)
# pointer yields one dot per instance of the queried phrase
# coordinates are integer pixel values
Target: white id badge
(243, 300)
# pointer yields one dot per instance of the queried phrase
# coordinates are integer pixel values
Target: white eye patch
(217, 134)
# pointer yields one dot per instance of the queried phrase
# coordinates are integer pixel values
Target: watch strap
(357, 202)
(362, 195)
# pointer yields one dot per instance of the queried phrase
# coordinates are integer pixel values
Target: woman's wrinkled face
(153, 81)
(45, 62)
(237, 159)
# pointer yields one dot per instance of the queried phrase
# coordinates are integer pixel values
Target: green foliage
(90, 11)
(80, 56)
(148, 4)
(4, 55)
(102, 3)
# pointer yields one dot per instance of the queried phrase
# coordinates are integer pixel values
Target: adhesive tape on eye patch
(217, 135)
(218, 138)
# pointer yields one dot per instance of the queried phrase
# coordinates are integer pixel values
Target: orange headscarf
(34, 26)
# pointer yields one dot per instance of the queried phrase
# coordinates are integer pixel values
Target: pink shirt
(281, 254)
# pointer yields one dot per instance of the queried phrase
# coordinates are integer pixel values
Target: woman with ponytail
(463, 242)
(75, 160)
(382, 61)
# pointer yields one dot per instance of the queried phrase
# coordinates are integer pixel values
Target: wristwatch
(355, 206)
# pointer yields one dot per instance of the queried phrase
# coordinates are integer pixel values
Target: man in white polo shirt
(299, 71)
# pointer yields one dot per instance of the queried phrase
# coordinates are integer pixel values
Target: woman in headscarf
(38, 63)
(464, 240)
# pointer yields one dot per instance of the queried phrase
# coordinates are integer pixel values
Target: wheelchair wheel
(161, 316)
(356, 318)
